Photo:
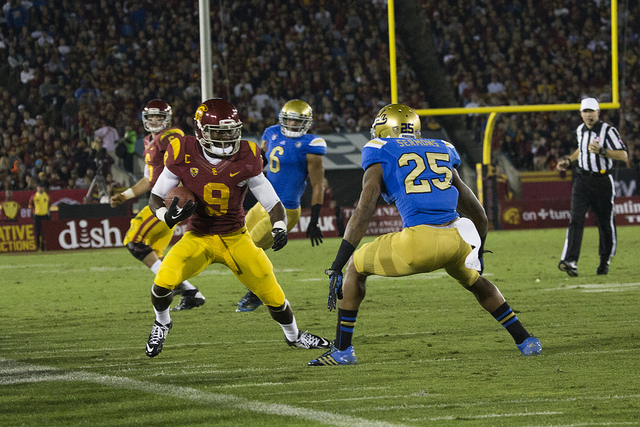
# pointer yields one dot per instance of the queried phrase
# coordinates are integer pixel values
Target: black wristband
(343, 255)
(482, 240)
(315, 214)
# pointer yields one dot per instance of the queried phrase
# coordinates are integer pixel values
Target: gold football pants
(146, 228)
(419, 249)
(259, 224)
(194, 252)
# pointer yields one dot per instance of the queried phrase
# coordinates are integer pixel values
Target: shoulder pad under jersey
(178, 148)
(165, 137)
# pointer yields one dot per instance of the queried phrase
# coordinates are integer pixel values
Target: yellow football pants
(419, 249)
(194, 252)
(146, 228)
(259, 224)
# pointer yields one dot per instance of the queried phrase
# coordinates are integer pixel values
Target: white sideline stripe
(24, 266)
(604, 423)
(42, 268)
(500, 402)
(475, 417)
(598, 287)
(26, 373)
(603, 285)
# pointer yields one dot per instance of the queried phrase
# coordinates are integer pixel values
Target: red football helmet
(218, 127)
(156, 116)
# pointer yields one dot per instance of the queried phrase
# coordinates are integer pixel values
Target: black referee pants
(593, 191)
(37, 219)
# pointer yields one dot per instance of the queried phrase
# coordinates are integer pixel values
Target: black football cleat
(190, 299)
(307, 341)
(156, 338)
(568, 267)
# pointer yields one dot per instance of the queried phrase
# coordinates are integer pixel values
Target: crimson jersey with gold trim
(154, 148)
(219, 188)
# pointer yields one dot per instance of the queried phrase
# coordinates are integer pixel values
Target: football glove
(175, 214)
(335, 287)
(481, 252)
(279, 238)
(313, 231)
(315, 234)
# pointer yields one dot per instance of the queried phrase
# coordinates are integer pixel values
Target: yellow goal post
(493, 111)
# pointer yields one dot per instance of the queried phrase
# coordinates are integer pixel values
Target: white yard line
(13, 372)
(483, 416)
(494, 403)
(598, 287)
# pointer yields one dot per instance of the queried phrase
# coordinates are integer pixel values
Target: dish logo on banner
(82, 235)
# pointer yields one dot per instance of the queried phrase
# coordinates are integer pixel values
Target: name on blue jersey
(417, 142)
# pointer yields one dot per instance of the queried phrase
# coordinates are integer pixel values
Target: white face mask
(219, 151)
(211, 140)
(291, 134)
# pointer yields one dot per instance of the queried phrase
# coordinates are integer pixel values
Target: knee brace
(155, 294)
(139, 250)
(281, 308)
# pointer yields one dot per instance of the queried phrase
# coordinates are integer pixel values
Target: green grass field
(73, 328)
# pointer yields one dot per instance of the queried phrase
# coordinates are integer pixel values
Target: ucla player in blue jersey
(292, 155)
(419, 177)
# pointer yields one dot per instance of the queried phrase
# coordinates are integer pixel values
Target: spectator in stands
(523, 50)
(27, 74)
(108, 135)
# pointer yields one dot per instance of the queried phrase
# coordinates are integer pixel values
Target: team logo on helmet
(296, 117)
(396, 121)
(218, 127)
(200, 111)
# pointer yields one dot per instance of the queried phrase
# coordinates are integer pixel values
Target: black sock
(509, 320)
(344, 329)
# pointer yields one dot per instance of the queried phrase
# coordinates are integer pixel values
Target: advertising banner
(17, 238)
(88, 233)
(56, 197)
(518, 214)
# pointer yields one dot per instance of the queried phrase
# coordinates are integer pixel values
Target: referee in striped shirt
(599, 144)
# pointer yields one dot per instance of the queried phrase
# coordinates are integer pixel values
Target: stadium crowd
(77, 74)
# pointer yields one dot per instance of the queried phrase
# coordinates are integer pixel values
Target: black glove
(313, 230)
(481, 252)
(315, 234)
(279, 238)
(175, 214)
(335, 287)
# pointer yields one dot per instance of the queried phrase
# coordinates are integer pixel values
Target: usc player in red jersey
(219, 167)
(148, 237)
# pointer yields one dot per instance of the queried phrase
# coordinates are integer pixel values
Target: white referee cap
(589, 104)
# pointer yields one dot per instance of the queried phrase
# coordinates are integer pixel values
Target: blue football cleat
(249, 302)
(336, 357)
(530, 347)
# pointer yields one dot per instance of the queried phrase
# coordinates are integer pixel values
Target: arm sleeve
(263, 191)
(166, 181)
